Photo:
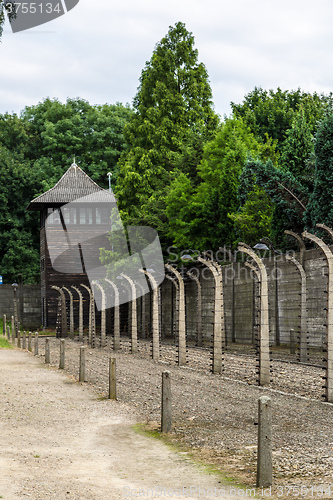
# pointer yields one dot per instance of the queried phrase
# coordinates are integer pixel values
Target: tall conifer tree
(173, 107)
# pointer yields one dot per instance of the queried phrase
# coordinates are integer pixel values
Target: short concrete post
(82, 370)
(264, 457)
(62, 354)
(36, 344)
(19, 338)
(166, 414)
(24, 340)
(4, 325)
(30, 342)
(8, 332)
(292, 341)
(47, 351)
(112, 379)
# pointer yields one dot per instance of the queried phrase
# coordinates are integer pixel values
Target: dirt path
(59, 441)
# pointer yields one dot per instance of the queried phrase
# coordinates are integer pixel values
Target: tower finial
(74, 163)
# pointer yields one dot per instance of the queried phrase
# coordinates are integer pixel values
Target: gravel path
(60, 441)
(215, 416)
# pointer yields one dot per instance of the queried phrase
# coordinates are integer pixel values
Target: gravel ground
(215, 416)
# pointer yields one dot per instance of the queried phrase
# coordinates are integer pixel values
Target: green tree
(173, 118)
(6, 7)
(272, 113)
(320, 207)
(253, 221)
(297, 150)
(201, 214)
(19, 229)
(93, 134)
(287, 194)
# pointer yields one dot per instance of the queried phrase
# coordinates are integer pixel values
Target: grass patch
(152, 431)
(4, 344)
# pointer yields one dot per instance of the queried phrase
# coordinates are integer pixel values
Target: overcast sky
(97, 50)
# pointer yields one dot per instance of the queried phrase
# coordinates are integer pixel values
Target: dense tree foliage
(320, 207)
(173, 118)
(205, 208)
(272, 113)
(36, 148)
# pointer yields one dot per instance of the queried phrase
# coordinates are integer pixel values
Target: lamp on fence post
(15, 285)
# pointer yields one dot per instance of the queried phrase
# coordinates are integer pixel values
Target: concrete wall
(28, 304)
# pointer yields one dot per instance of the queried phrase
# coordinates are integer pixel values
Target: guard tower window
(82, 215)
(89, 216)
(53, 216)
(66, 214)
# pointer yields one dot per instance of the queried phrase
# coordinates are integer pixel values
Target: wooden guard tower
(92, 216)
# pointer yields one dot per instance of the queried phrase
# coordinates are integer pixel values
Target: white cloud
(97, 50)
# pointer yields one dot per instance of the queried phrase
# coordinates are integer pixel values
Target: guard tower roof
(74, 184)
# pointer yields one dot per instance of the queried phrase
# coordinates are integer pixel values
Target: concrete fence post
(80, 313)
(92, 320)
(134, 321)
(166, 413)
(71, 313)
(36, 344)
(47, 351)
(329, 323)
(62, 354)
(199, 308)
(218, 325)
(292, 341)
(62, 313)
(82, 370)
(103, 312)
(175, 310)
(18, 338)
(13, 330)
(112, 379)
(30, 342)
(24, 341)
(264, 354)
(155, 315)
(264, 456)
(181, 316)
(4, 325)
(116, 322)
(8, 332)
(303, 354)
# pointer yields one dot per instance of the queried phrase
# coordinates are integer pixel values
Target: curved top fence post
(329, 328)
(181, 316)
(264, 362)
